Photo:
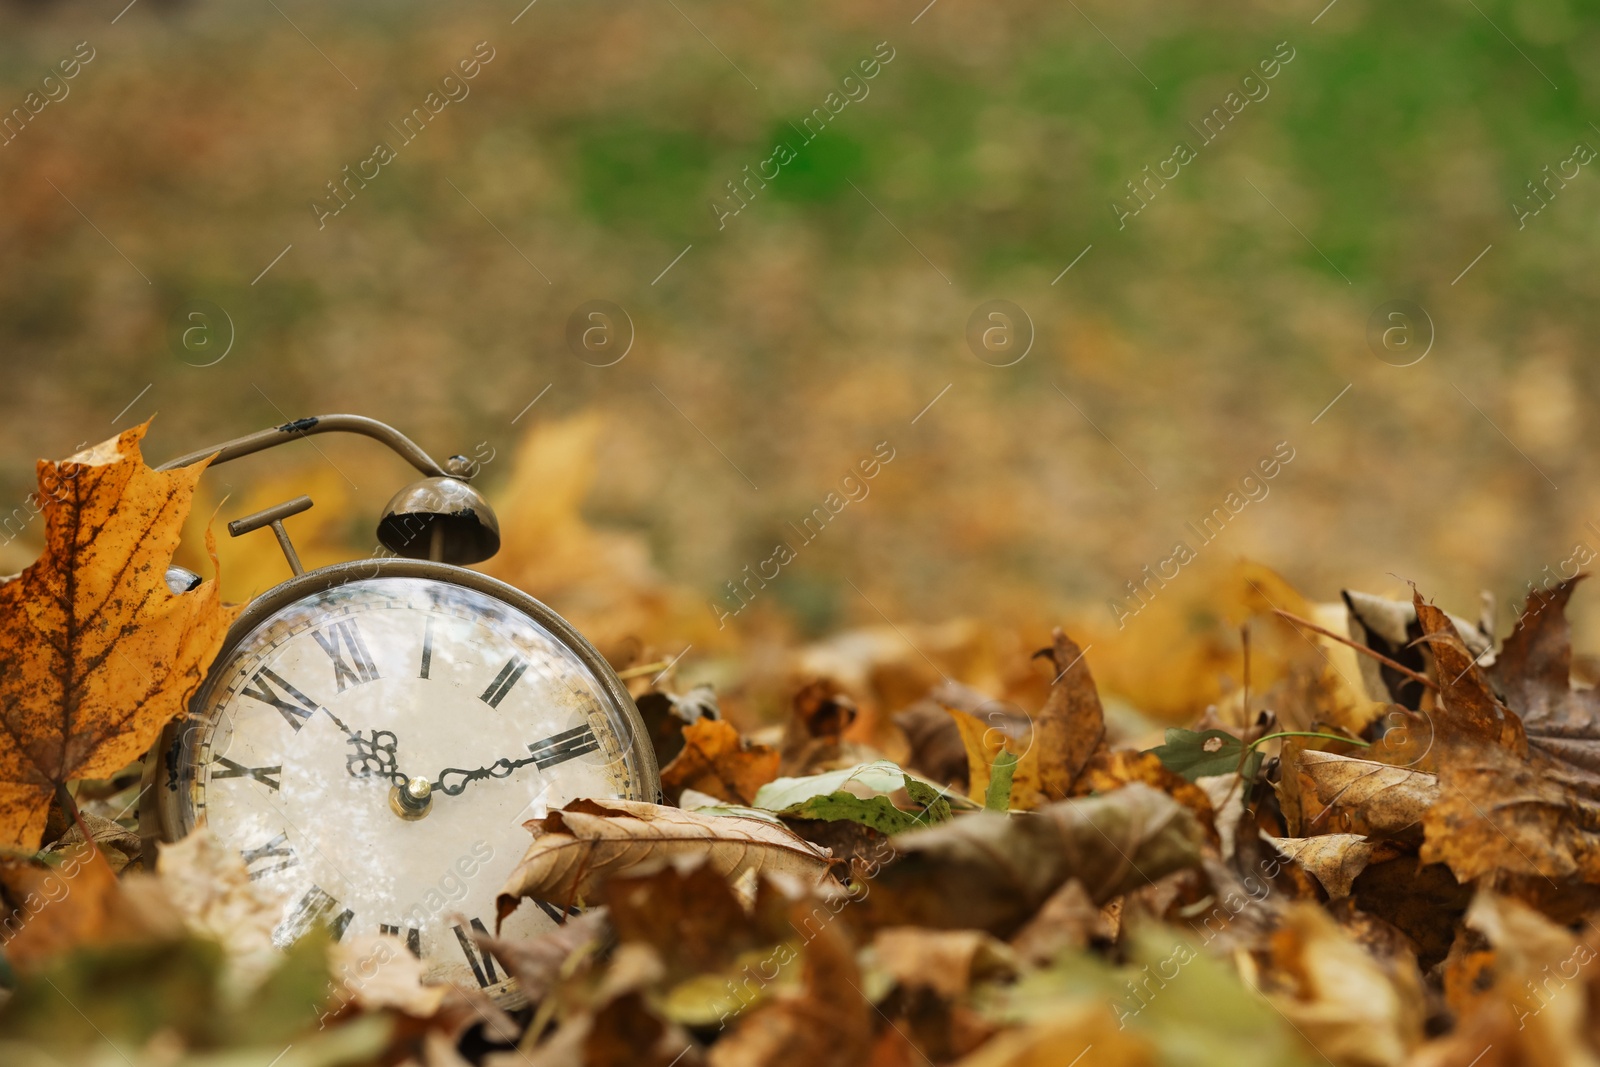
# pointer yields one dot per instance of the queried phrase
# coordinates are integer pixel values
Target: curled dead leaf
(715, 760)
(1071, 727)
(1468, 713)
(1334, 860)
(992, 872)
(577, 849)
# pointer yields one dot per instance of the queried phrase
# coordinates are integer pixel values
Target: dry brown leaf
(1422, 900)
(946, 962)
(1067, 922)
(992, 872)
(380, 972)
(577, 849)
(715, 760)
(1334, 860)
(96, 652)
(937, 751)
(1342, 1000)
(1071, 727)
(1533, 670)
(1534, 673)
(627, 1033)
(1540, 986)
(1069, 1032)
(694, 920)
(1497, 812)
(120, 845)
(1113, 769)
(209, 885)
(1391, 629)
(1342, 794)
(536, 963)
(827, 1024)
(1468, 713)
(80, 902)
(1514, 803)
(813, 735)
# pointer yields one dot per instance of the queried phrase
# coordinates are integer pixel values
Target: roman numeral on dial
(557, 914)
(316, 906)
(267, 776)
(481, 962)
(413, 937)
(275, 855)
(569, 744)
(427, 647)
(295, 707)
(359, 668)
(504, 681)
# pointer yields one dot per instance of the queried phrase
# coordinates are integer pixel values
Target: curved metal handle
(402, 445)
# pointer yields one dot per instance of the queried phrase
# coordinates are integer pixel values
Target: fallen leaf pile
(1382, 848)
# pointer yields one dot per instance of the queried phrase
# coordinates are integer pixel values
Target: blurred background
(1175, 318)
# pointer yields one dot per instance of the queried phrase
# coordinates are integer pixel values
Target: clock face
(302, 744)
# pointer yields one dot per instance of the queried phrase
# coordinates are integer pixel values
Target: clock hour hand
(558, 748)
(374, 756)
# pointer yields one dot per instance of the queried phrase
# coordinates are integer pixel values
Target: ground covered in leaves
(1382, 847)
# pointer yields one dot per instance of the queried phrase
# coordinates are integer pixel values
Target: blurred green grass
(810, 327)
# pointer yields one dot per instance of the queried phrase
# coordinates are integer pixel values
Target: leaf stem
(1305, 733)
(1421, 679)
(64, 795)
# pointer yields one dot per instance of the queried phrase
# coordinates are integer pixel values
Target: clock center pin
(412, 800)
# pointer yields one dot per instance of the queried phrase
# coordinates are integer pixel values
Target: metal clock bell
(373, 734)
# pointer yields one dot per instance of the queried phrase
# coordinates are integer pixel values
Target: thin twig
(1363, 649)
(64, 795)
(1244, 751)
(643, 669)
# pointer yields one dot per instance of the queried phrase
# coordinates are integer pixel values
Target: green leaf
(1196, 754)
(876, 812)
(935, 808)
(998, 798)
(864, 779)
(879, 776)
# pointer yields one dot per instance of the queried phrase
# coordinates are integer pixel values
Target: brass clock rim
(154, 822)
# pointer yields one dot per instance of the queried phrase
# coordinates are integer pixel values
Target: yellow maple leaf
(96, 652)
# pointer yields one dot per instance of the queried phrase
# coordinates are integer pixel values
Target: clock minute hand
(569, 744)
(498, 769)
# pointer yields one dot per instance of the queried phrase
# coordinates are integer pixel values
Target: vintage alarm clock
(373, 734)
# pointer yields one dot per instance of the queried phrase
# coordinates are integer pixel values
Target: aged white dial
(373, 748)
